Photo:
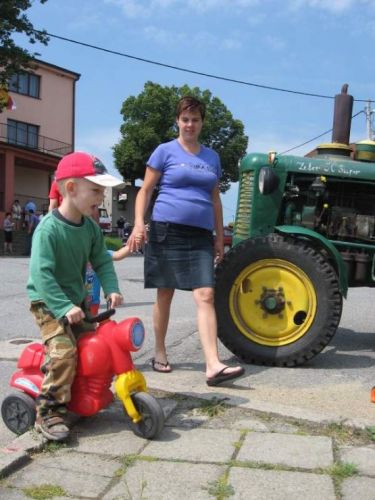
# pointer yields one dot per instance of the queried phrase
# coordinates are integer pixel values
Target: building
(36, 134)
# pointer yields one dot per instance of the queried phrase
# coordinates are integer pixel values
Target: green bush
(113, 243)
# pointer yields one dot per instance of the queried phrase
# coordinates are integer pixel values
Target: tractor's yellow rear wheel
(277, 301)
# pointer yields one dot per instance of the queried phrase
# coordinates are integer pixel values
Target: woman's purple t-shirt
(186, 184)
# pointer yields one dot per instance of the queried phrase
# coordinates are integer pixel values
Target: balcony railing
(28, 139)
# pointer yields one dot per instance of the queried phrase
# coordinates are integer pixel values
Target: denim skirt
(178, 256)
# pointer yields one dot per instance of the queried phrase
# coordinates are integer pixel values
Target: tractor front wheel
(277, 301)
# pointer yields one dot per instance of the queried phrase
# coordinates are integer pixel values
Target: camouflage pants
(59, 366)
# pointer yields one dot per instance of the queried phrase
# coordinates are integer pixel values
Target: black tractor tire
(152, 422)
(288, 275)
(18, 412)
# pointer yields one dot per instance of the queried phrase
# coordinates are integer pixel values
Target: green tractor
(304, 232)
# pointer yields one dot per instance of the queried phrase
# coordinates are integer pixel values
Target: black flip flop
(221, 377)
(165, 365)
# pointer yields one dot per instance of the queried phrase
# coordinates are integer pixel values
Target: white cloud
(161, 36)
(147, 8)
(132, 8)
(334, 6)
(206, 5)
(200, 39)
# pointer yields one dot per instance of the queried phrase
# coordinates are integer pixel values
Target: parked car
(105, 221)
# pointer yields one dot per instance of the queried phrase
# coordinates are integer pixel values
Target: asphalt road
(335, 383)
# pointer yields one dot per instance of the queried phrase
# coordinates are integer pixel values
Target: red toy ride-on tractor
(103, 354)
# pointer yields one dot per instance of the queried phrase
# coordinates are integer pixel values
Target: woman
(17, 214)
(181, 251)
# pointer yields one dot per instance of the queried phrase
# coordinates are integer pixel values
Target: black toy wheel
(18, 412)
(152, 422)
(277, 301)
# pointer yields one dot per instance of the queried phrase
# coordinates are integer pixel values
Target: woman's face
(190, 125)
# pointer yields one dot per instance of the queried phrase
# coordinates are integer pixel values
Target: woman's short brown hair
(189, 103)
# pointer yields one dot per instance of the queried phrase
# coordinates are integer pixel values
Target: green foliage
(149, 120)
(112, 243)
(13, 59)
(220, 489)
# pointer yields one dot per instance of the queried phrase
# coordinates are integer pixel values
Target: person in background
(8, 233)
(65, 240)
(180, 251)
(32, 222)
(17, 214)
(30, 205)
(120, 227)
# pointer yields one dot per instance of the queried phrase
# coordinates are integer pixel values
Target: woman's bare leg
(207, 327)
(161, 312)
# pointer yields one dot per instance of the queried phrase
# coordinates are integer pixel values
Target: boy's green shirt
(59, 256)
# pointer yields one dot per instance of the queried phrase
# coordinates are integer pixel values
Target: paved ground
(303, 433)
(206, 450)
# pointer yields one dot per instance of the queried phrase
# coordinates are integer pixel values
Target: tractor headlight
(268, 180)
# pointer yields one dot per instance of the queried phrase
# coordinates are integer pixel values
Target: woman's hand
(218, 250)
(137, 238)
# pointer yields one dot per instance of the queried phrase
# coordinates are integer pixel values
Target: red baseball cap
(84, 165)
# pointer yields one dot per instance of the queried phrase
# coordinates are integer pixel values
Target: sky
(309, 46)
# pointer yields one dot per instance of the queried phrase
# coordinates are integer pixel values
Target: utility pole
(369, 112)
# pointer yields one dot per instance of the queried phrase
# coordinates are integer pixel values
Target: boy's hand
(75, 315)
(115, 299)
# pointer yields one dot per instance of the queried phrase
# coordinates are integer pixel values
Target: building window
(23, 134)
(26, 84)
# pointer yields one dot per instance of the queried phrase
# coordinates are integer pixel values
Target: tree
(13, 58)
(149, 119)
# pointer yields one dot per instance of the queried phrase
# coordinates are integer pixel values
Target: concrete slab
(77, 474)
(358, 488)
(308, 452)
(113, 440)
(166, 481)
(279, 485)
(12, 494)
(200, 445)
(363, 457)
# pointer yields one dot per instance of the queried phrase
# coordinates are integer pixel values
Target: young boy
(64, 241)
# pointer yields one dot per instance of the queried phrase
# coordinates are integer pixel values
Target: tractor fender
(327, 245)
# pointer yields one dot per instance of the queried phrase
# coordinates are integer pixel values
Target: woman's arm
(142, 203)
(218, 220)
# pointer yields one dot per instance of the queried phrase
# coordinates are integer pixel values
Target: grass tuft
(212, 407)
(44, 491)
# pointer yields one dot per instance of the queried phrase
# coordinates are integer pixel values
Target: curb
(17, 453)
